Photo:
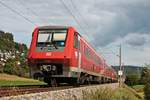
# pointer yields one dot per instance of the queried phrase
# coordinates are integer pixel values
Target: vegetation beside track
(12, 80)
(109, 94)
(139, 89)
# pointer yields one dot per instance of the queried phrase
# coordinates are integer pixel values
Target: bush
(145, 75)
(1, 69)
(11, 67)
(8, 68)
(147, 91)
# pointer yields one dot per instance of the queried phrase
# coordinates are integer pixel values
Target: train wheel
(87, 81)
(46, 80)
(37, 76)
(75, 82)
(53, 82)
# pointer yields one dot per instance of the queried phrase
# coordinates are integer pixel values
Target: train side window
(76, 41)
(79, 42)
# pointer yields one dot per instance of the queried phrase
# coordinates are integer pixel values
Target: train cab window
(51, 40)
(44, 38)
(60, 38)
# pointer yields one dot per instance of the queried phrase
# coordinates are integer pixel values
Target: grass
(12, 80)
(109, 94)
(125, 94)
(141, 94)
(139, 89)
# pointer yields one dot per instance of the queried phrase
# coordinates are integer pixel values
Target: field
(12, 80)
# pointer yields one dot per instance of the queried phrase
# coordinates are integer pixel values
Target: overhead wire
(30, 10)
(27, 19)
(70, 12)
(84, 21)
(76, 20)
(16, 12)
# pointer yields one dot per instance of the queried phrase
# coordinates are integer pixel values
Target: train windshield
(51, 40)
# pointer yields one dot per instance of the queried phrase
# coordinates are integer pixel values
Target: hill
(129, 69)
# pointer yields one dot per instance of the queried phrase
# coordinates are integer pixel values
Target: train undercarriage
(55, 74)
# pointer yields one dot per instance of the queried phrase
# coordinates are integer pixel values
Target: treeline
(146, 81)
(12, 55)
(136, 78)
(141, 79)
(8, 44)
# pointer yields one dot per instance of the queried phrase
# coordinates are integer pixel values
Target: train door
(77, 51)
(79, 54)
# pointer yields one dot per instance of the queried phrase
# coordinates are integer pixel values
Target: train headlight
(43, 67)
(46, 67)
(53, 68)
(49, 67)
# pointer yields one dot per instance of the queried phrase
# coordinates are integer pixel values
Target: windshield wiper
(54, 44)
(49, 41)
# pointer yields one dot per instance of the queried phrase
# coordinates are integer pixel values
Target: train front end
(50, 53)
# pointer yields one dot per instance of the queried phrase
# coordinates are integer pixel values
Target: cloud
(137, 57)
(120, 19)
(134, 39)
(107, 20)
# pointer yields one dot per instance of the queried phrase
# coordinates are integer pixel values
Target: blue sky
(104, 23)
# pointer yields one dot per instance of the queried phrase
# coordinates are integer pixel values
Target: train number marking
(48, 54)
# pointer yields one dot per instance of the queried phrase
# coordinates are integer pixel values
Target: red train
(60, 54)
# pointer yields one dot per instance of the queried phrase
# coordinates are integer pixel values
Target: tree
(132, 79)
(146, 81)
(12, 49)
(145, 76)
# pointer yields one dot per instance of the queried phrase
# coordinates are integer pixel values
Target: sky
(105, 24)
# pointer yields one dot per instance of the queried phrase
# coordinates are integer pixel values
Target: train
(59, 54)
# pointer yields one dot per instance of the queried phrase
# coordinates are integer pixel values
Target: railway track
(14, 91)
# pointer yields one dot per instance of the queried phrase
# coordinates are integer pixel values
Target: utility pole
(120, 56)
(120, 67)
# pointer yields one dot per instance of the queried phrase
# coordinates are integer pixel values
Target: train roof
(53, 27)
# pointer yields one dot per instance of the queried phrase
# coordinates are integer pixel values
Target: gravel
(67, 94)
